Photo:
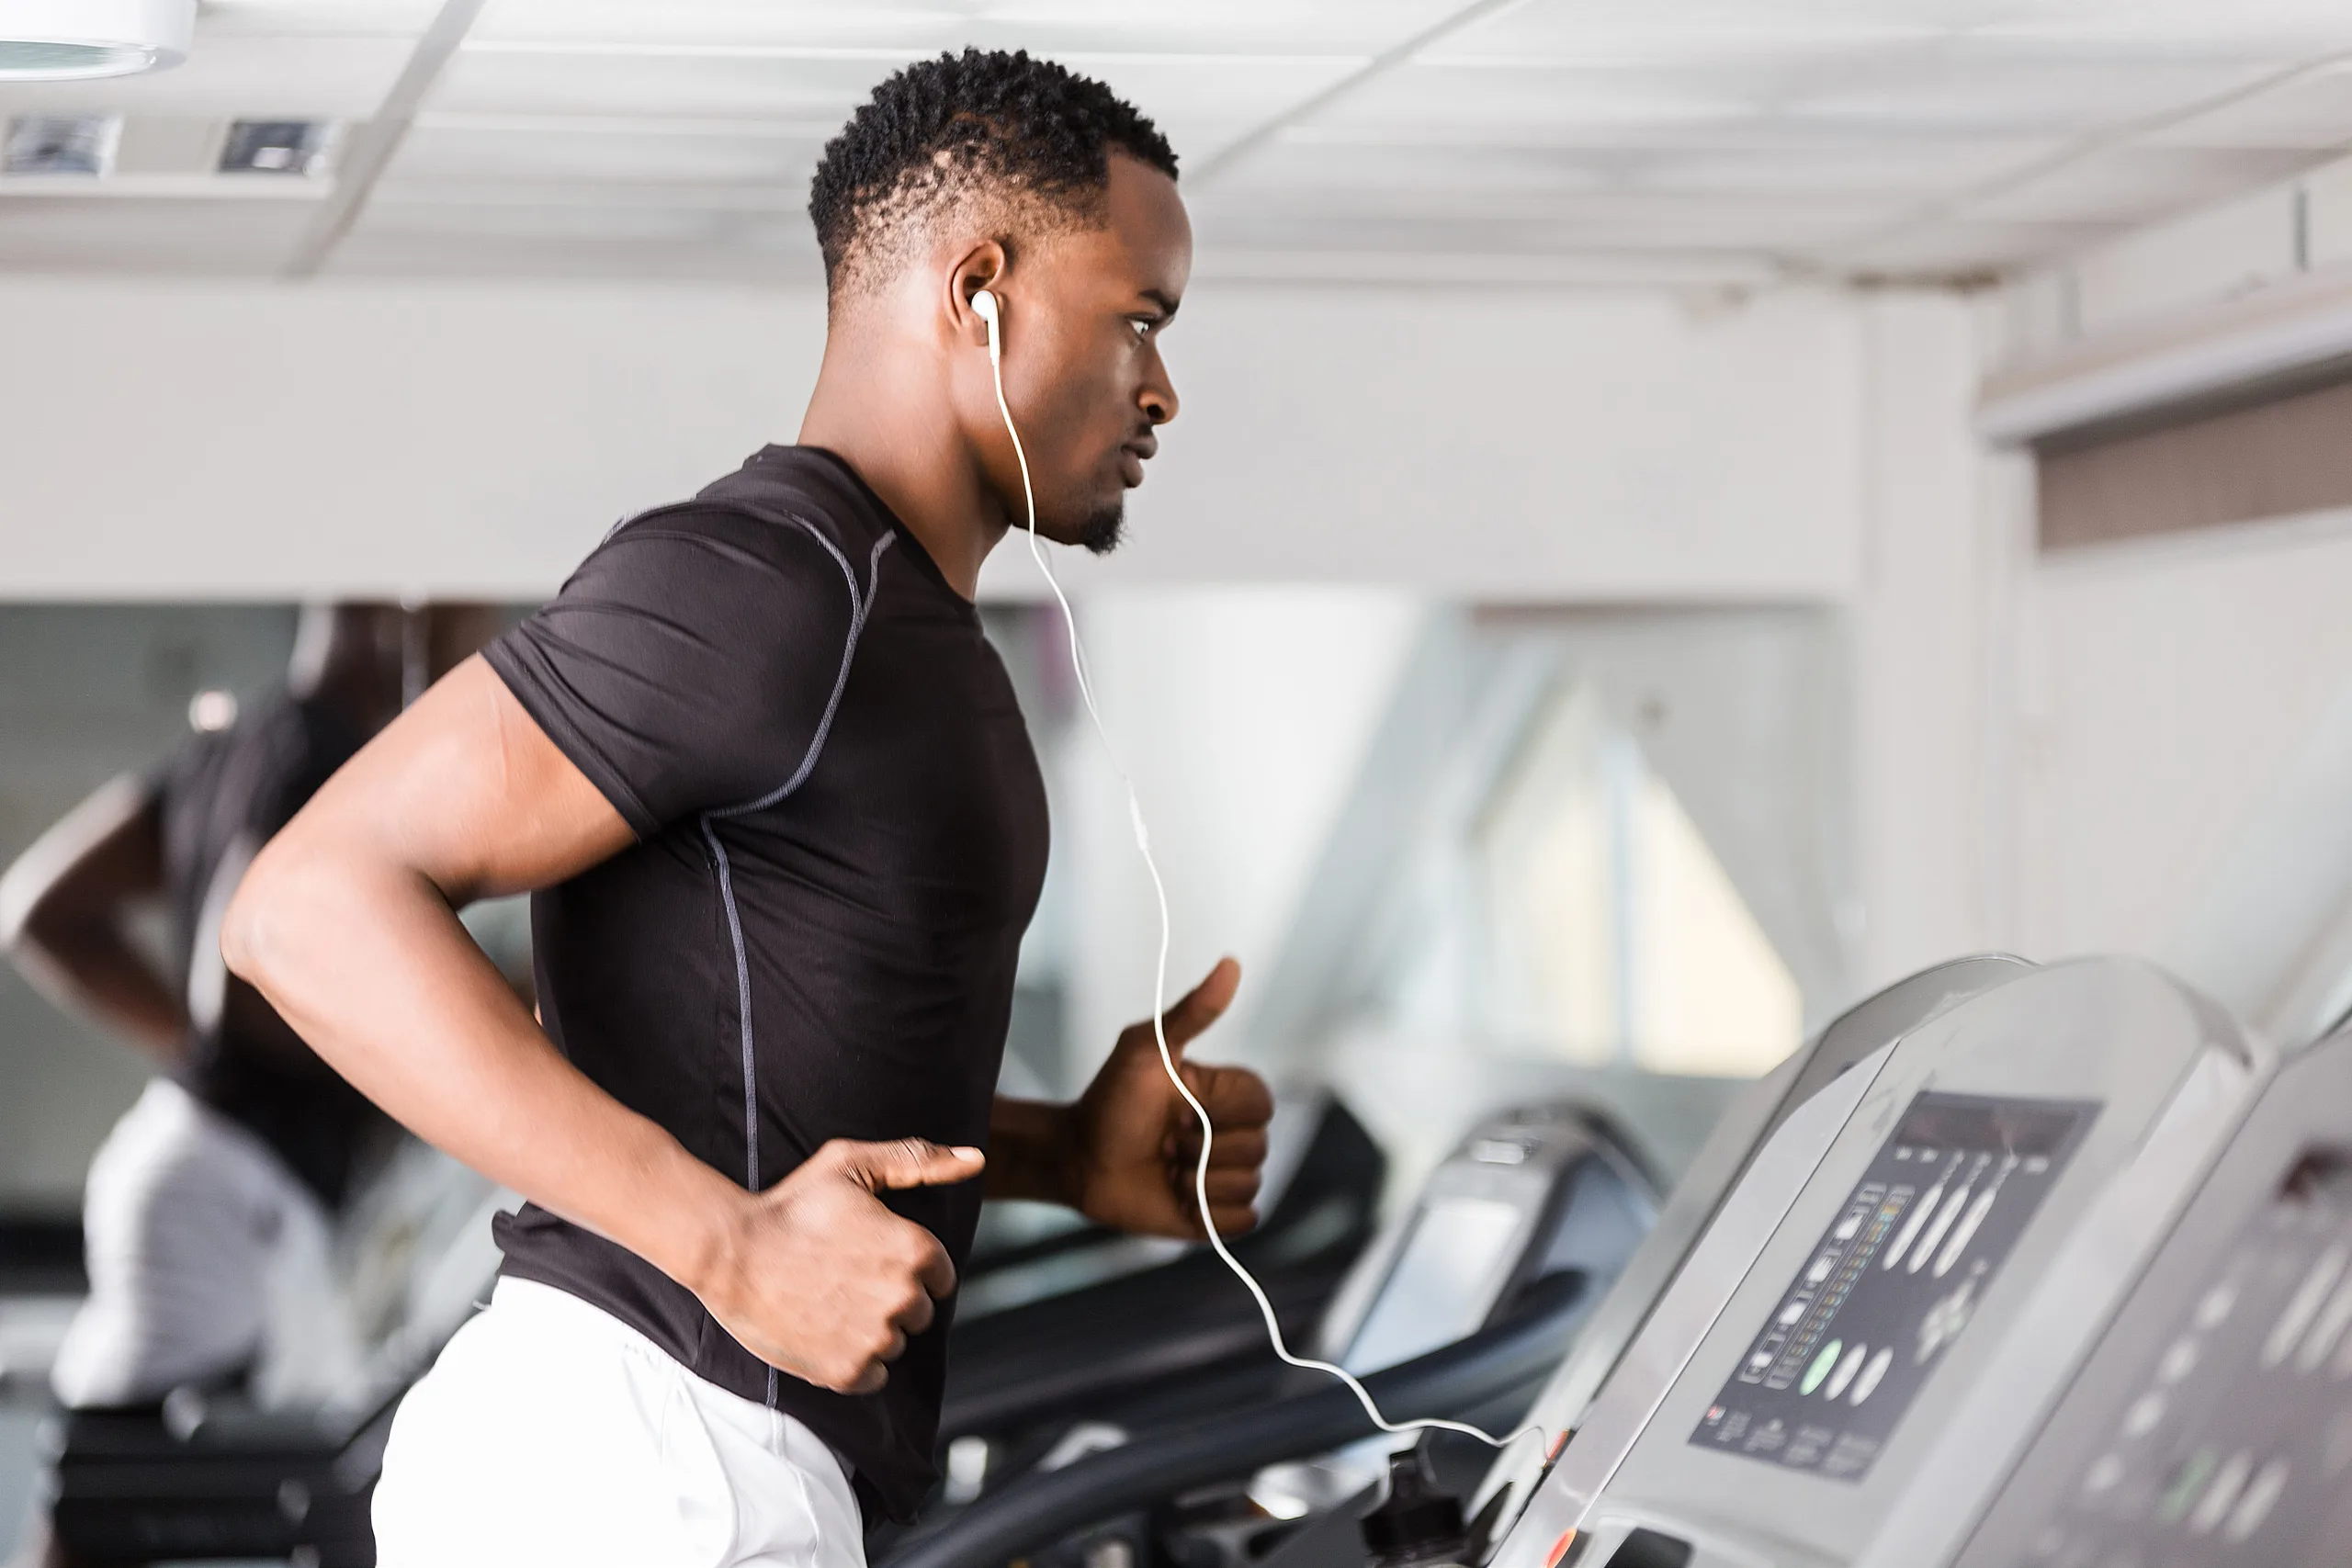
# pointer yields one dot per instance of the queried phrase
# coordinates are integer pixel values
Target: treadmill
(1977, 1202)
(1509, 1243)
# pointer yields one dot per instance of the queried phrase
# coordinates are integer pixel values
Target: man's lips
(1133, 455)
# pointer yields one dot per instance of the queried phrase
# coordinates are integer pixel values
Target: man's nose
(1159, 401)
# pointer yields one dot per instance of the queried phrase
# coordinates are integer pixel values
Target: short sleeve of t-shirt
(690, 664)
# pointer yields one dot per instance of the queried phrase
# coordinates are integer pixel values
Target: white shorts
(206, 1258)
(551, 1433)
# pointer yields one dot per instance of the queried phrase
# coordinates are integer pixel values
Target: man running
(784, 828)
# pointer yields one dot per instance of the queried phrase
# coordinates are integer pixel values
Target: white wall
(2132, 749)
(2166, 689)
(183, 439)
(186, 440)
(2169, 737)
(1925, 626)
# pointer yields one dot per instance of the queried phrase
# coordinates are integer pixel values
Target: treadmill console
(1969, 1223)
(1775, 1132)
(2213, 1425)
(1892, 1282)
(2251, 1382)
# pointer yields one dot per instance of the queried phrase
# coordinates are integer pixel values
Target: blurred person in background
(208, 1207)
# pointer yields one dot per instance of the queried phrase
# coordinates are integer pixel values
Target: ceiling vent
(61, 144)
(277, 146)
(64, 40)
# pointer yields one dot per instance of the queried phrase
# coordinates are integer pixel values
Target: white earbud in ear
(984, 306)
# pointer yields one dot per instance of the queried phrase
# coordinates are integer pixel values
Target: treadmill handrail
(1038, 1249)
(1040, 1508)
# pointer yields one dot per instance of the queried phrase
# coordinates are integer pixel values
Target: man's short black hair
(976, 124)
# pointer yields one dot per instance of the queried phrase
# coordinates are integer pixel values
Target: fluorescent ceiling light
(64, 41)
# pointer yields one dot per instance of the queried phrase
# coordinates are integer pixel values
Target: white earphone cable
(1159, 972)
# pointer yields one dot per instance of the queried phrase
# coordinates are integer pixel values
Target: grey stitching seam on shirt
(859, 607)
(742, 1006)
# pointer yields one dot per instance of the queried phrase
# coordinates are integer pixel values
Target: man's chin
(1101, 530)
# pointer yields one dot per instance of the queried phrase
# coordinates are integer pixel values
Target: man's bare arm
(346, 923)
(62, 911)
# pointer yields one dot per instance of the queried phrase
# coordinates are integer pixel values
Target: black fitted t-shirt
(841, 834)
(232, 790)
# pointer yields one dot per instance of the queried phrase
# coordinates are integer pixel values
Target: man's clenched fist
(815, 1276)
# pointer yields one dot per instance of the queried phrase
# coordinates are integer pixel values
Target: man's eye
(1142, 325)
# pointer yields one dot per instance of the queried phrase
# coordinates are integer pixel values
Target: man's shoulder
(805, 488)
(790, 511)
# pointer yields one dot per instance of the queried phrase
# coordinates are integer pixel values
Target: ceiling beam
(373, 144)
(1371, 70)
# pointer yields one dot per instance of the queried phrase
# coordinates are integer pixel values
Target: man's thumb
(906, 1162)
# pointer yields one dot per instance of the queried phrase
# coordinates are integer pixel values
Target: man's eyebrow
(1166, 302)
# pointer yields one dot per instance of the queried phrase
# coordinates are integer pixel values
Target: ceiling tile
(1054, 27)
(1620, 219)
(314, 18)
(606, 152)
(1200, 102)
(1966, 91)
(590, 138)
(238, 77)
(2241, 30)
(892, 25)
(1537, 103)
(1292, 163)
(1900, 170)
(1571, 31)
(815, 90)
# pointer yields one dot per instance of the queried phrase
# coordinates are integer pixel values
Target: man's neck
(899, 431)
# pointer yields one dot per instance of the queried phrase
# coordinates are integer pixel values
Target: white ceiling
(1643, 140)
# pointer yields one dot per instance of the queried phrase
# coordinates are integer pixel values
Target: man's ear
(983, 265)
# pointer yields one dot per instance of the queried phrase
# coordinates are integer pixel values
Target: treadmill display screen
(1892, 1284)
(2234, 1443)
(1442, 1285)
